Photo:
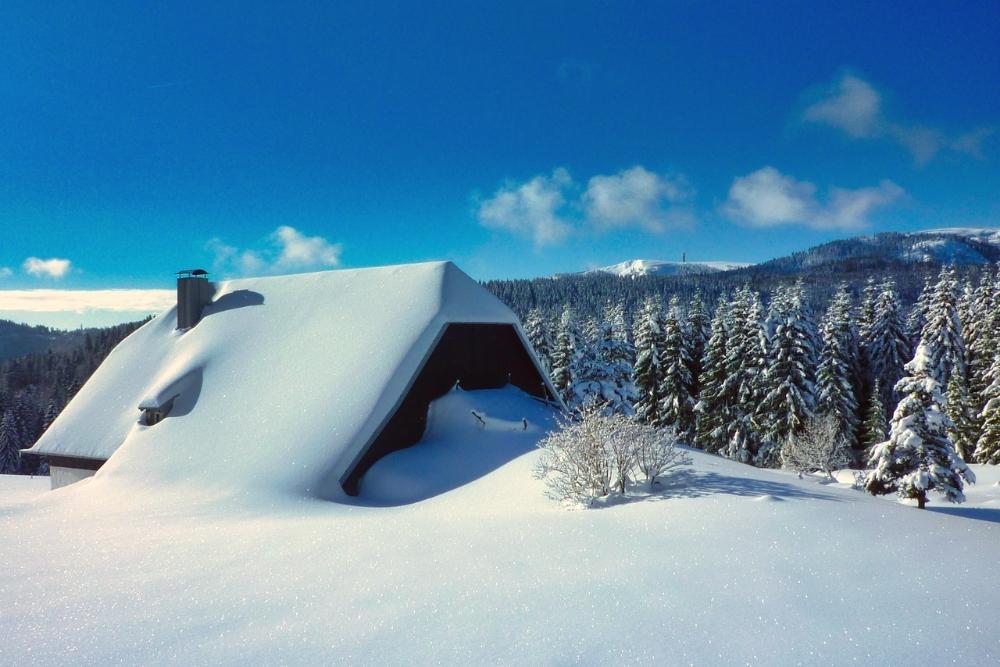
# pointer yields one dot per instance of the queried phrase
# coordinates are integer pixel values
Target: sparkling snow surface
(278, 387)
(726, 565)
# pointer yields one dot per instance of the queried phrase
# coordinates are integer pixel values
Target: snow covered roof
(282, 383)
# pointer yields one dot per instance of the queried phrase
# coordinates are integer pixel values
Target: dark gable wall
(476, 356)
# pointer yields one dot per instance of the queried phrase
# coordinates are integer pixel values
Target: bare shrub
(656, 451)
(586, 458)
(818, 447)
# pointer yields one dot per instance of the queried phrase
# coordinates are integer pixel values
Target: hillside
(635, 268)
(489, 571)
(17, 340)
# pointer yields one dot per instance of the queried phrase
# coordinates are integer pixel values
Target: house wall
(476, 356)
(60, 476)
(64, 470)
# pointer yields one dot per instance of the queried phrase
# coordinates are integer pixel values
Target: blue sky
(518, 139)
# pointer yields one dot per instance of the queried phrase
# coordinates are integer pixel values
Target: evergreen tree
(918, 456)
(536, 330)
(676, 405)
(918, 314)
(10, 443)
(942, 332)
(982, 338)
(874, 429)
(789, 376)
(988, 445)
(647, 373)
(602, 373)
(887, 346)
(744, 386)
(710, 411)
(698, 329)
(835, 389)
(563, 355)
(963, 433)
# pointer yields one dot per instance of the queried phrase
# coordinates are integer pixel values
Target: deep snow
(727, 564)
(280, 385)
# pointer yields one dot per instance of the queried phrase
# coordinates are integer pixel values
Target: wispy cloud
(83, 301)
(768, 198)
(549, 208)
(285, 250)
(855, 107)
(531, 209)
(54, 268)
(5, 272)
(637, 197)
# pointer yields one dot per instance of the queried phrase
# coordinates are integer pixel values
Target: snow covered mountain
(634, 268)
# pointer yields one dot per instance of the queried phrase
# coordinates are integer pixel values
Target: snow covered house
(298, 382)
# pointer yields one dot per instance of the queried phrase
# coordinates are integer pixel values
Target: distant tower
(684, 258)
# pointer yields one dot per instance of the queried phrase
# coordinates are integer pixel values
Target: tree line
(36, 387)
(909, 394)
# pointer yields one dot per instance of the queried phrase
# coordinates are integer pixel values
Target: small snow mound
(768, 498)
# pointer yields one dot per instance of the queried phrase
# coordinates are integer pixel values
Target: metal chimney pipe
(194, 292)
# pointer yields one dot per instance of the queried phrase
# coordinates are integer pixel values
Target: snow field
(727, 564)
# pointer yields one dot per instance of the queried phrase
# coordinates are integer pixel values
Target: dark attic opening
(471, 356)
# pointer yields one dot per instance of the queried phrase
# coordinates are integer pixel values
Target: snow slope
(725, 565)
(280, 385)
(990, 235)
(644, 267)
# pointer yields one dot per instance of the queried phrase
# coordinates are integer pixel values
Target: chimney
(194, 292)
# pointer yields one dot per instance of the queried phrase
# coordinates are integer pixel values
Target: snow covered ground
(727, 564)
(634, 268)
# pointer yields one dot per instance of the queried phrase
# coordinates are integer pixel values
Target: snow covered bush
(656, 451)
(818, 447)
(588, 457)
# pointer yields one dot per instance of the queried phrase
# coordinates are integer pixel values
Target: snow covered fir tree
(749, 375)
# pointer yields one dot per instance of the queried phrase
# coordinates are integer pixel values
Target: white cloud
(530, 209)
(768, 198)
(82, 301)
(851, 105)
(285, 249)
(854, 106)
(5, 272)
(636, 197)
(52, 268)
(300, 251)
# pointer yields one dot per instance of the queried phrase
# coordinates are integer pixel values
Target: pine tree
(698, 329)
(988, 445)
(676, 405)
(963, 433)
(942, 332)
(790, 399)
(887, 348)
(744, 386)
(874, 428)
(563, 355)
(710, 411)
(536, 331)
(918, 314)
(982, 338)
(834, 386)
(602, 373)
(918, 456)
(647, 375)
(10, 443)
